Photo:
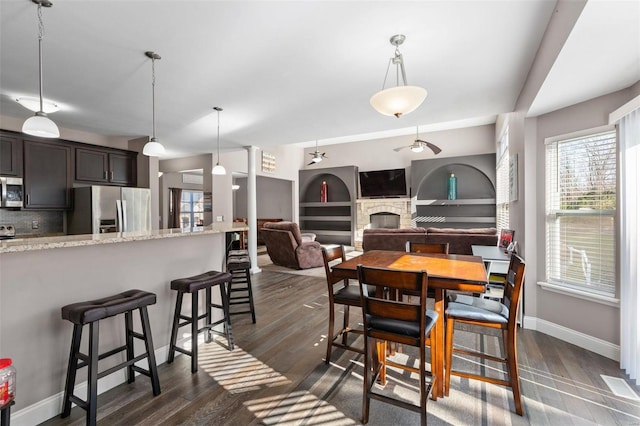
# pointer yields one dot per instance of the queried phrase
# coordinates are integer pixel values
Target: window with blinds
(502, 182)
(580, 212)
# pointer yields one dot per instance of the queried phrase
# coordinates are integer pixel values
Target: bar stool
(193, 285)
(91, 312)
(239, 289)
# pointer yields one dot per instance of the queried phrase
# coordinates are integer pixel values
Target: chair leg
(151, 356)
(194, 332)
(448, 354)
(250, 290)
(92, 375)
(512, 363)
(345, 324)
(330, 334)
(367, 378)
(128, 322)
(208, 335)
(434, 376)
(72, 369)
(226, 309)
(174, 328)
(423, 386)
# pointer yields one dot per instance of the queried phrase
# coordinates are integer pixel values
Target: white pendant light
(218, 169)
(153, 148)
(40, 124)
(401, 99)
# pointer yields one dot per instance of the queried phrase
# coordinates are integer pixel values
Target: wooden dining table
(444, 271)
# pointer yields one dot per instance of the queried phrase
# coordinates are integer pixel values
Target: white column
(252, 215)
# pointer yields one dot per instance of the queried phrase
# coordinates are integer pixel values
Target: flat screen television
(383, 183)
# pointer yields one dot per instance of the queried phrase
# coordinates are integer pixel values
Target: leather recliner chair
(288, 247)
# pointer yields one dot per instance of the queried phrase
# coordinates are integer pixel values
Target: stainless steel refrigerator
(101, 209)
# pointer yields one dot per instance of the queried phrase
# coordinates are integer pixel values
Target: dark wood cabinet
(102, 166)
(10, 155)
(47, 175)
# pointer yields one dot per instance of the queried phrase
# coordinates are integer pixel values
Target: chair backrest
(286, 226)
(376, 304)
(513, 287)
(441, 248)
(329, 254)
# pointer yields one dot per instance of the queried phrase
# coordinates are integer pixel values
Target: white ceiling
(296, 71)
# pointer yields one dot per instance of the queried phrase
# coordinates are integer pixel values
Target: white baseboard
(52, 406)
(593, 344)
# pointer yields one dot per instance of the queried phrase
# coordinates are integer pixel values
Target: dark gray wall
(274, 198)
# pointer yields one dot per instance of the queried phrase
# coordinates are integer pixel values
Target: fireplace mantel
(368, 206)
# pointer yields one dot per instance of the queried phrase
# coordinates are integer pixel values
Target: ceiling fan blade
(400, 148)
(431, 146)
(311, 163)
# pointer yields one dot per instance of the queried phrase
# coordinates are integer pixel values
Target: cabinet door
(47, 175)
(122, 169)
(10, 155)
(91, 165)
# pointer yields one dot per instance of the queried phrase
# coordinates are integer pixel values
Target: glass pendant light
(401, 99)
(218, 169)
(40, 124)
(153, 148)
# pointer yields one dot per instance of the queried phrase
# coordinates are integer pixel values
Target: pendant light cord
(40, 38)
(218, 137)
(153, 96)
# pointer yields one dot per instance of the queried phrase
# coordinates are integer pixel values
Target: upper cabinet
(10, 155)
(47, 175)
(105, 166)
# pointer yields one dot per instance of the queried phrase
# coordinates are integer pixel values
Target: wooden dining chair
(441, 248)
(493, 314)
(394, 321)
(346, 295)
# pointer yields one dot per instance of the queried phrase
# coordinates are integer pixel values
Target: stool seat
(94, 310)
(238, 262)
(238, 253)
(199, 282)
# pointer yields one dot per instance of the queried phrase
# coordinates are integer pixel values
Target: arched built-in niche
(331, 221)
(475, 204)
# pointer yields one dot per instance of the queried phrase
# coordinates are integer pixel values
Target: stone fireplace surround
(368, 206)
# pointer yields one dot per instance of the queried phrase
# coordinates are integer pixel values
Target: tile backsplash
(49, 222)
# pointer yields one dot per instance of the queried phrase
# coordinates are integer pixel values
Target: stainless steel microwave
(12, 193)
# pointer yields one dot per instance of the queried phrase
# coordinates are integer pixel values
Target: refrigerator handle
(125, 226)
(119, 223)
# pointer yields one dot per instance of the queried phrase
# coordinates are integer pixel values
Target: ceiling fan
(418, 145)
(317, 156)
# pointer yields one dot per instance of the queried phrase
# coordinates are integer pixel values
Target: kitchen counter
(40, 275)
(44, 243)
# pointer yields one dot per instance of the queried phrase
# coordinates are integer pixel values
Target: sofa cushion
(391, 239)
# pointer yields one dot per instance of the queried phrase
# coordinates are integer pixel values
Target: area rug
(264, 262)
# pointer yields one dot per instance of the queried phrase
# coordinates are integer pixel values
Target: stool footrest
(122, 364)
(79, 402)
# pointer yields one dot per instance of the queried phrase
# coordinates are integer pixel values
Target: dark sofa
(460, 240)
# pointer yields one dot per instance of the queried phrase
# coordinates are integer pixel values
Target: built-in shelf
(325, 218)
(475, 204)
(328, 204)
(331, 221)
(458, 202)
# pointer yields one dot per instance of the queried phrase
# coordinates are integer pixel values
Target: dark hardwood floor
(276, 375)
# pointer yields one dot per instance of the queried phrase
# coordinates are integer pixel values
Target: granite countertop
(44, 243)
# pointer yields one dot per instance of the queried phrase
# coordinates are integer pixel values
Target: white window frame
(553, 213)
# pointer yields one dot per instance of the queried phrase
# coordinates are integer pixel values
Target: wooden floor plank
(277, 375)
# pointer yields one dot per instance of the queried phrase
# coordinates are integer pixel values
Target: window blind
(502, 182)
(580, 212)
